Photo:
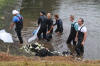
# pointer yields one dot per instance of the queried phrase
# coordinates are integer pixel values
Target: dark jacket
(49, 24)
(59, 24)
(42, 21)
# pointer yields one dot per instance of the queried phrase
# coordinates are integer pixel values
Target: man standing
(73, 31)
(42, 22)
(49, 26)
(18, 21)
(80, 37)
(59, 24)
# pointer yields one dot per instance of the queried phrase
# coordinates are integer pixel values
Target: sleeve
(61, 23)
(84, 29)
(76, 26)
(15, 19)
(39, 20)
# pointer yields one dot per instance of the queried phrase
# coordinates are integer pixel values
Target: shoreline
(6, 60)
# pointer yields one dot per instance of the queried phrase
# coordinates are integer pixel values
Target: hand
(52, 26)
(82, 42)
(58, 32)
(76, 39)
(48, 32)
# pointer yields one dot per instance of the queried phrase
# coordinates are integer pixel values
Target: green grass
(5, 2)
(31, 63)
(1, 3)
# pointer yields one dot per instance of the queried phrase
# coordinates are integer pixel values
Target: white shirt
(83, 29)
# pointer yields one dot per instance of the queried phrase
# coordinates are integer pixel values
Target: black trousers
(18, 31)
(79, 48)
(42, 30)
(71, 38)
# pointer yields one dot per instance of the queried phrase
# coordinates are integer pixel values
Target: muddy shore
(8, 60)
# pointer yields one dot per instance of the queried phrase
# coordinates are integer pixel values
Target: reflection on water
(87, 9)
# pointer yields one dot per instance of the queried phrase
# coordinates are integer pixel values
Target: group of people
(46, 25)
(78, 34)
(78, 31)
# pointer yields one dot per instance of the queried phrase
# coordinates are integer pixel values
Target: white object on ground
(34, 36)
(5, 37)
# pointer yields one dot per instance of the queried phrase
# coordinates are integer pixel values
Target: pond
(87, 9)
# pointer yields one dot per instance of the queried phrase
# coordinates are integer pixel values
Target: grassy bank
(8, 60)
(44, 64)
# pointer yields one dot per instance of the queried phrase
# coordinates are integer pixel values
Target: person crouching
(59, 24)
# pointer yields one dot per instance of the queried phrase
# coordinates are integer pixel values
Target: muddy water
(87, 9)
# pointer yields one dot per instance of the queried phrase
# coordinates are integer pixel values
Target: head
(42, 13)
(15, 12)
(80, 21)
(56, 16)
(49, 15)
(71, 18)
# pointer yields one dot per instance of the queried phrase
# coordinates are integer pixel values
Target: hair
(82, 20)
(48, 13)
(56, 15)
(72, 16)
(43, 12)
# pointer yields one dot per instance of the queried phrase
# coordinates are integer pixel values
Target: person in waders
(49, 27)
(59, 24)
(18, 21)
(80, 37)
(42, 22)
(73, 31)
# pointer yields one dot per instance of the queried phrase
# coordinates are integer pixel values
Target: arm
(76, 26)
(12, 25)
(39, 21)
(61, 23)
(15, 19)
(85, 35)
(51, 27)
(76, 38)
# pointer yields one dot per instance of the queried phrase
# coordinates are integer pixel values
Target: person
(59, 24)
(18, 21)
(73, 31)
(42, 22)
(80, 37)
(49, 27)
